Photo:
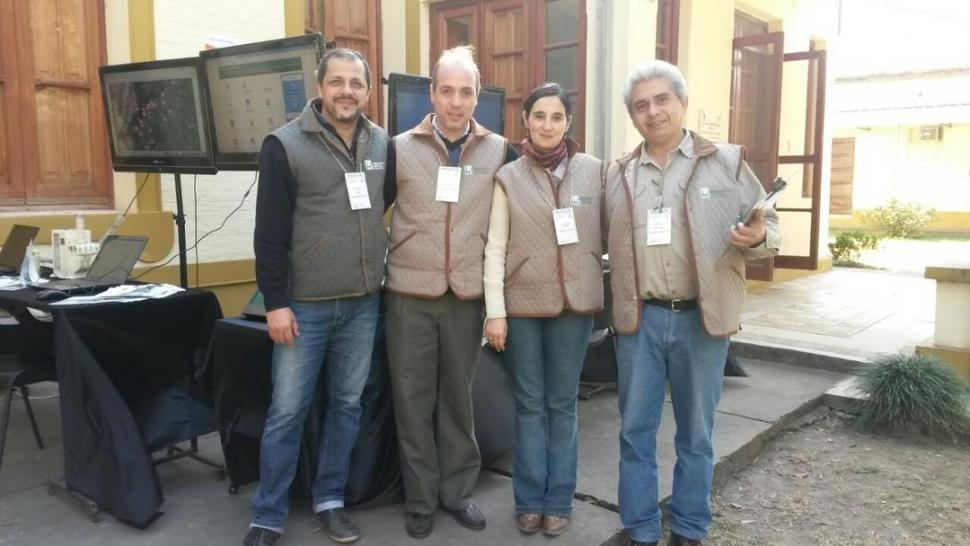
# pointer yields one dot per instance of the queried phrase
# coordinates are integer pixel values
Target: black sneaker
(677, 540)
(258, 536)
(470, 517)
(641, 543)
(419, 525)
(337, 525)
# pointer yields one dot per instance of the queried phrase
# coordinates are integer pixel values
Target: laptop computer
(111, 267)
(15, 248)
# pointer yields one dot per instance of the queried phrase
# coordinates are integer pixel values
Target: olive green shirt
(664, 271)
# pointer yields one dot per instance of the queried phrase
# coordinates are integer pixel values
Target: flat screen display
(255, 88)
(157, 116)
(409, 100)
(116, 258)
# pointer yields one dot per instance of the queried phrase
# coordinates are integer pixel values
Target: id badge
(566, 232)
(357, 191)
(659, 224)
(449, 184)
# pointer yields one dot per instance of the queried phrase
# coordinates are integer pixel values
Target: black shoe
(419, 525)
(258, 536)
(677, 540)
(470, 517)
(641, 543)
(337, 525)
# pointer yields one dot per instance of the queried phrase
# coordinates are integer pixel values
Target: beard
(341, 114)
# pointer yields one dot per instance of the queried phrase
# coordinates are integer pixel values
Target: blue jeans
(338, 337)
(545, 357)
(670, 347)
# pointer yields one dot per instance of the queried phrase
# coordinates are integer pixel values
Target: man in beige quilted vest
(680, 224)
(443, 171)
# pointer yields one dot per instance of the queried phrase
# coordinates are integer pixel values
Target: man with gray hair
(442, 175)
(683, 215)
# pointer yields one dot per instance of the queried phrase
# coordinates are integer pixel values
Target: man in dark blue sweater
(320, 244)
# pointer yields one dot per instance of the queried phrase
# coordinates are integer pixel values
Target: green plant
(913, 392)
(866, 240)
(899, 219)
(845, 249)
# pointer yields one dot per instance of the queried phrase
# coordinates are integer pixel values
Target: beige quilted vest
(542, 278)
(720, 267)
(437, 246)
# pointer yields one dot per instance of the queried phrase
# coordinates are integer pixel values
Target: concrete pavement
(199, 510)
(851, 314)
(786, 325)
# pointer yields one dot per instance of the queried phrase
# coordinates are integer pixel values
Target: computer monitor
(157, 117)
(255, 88)
(409, 101)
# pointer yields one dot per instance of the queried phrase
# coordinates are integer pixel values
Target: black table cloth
(128, 386)
(241, 361)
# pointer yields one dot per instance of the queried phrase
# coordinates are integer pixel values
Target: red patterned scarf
(547, 159)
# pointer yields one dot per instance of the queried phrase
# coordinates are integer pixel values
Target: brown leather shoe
(529, 522)
(554, 526)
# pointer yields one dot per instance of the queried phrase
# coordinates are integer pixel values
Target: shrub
(866, 240)
(900, 220)
(845, 249)
(913, 392)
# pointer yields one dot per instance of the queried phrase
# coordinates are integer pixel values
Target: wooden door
(561, 54)
(64, 151)
(12, 190)
(520, 44)
(668, 30)
(311, 17)
(505, 58)
(799, 207)
(755, 112)
(355, 24)
(843, 168)
(455, 26)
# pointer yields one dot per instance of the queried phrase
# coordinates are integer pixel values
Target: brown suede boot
(554, 526)
(529, 522)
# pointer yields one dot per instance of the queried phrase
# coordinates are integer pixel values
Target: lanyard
(555, 188)
(333, 155)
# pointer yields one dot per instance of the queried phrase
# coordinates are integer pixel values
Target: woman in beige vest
(543, 284)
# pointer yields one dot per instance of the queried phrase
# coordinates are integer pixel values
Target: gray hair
(651, 69)
(463, 55)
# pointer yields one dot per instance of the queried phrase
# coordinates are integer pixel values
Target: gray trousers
(433, 347)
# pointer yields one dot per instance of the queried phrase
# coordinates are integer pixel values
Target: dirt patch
(826, 484)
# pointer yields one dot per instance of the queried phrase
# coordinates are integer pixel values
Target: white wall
(619, 36)
(425, 42)
(393, 43)
(917, 99)
(933, 174)
(118, 48)
(705, 49)
(706, 33)
(181, 29)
